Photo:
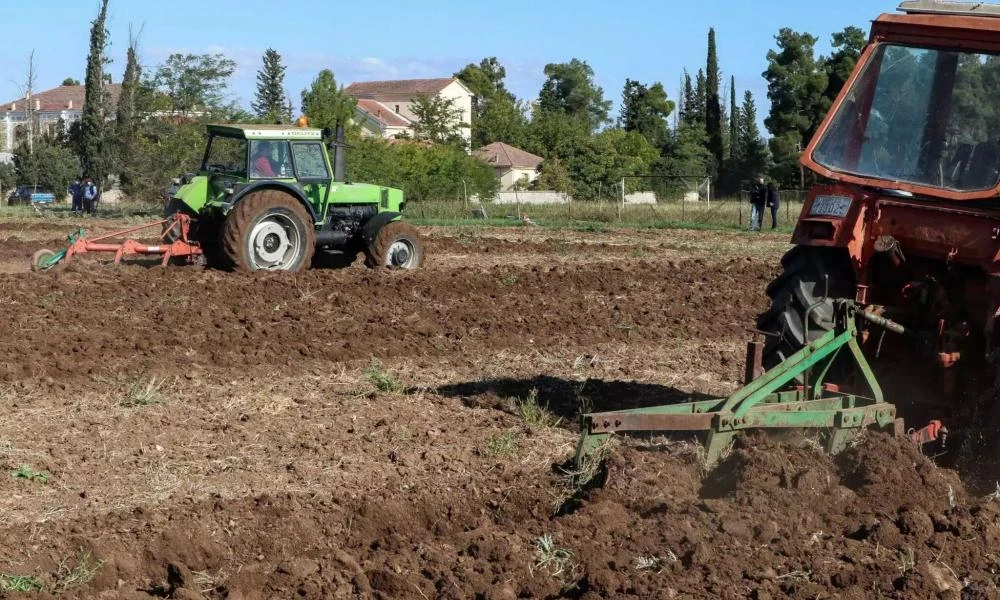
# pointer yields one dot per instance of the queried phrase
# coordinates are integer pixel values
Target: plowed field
(348, 433)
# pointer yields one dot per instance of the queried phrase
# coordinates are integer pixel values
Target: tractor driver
(261, 165)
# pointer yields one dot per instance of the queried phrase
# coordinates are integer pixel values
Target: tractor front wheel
(268, 230)
(812, 278)
(397, 246)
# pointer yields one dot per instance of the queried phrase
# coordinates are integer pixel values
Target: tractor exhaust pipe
(338, 154)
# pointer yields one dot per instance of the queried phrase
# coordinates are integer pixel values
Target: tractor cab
(920, 114)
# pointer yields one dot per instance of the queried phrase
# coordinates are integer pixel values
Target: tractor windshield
(919, 115)
(226, 155)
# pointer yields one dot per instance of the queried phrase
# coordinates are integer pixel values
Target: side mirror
(327, 133)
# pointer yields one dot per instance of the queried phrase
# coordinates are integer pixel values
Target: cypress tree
(270, 103)
(130, 91)
(734, 120)
(713, 104)
(94, 147)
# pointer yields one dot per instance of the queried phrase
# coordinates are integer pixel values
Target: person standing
(773, 201)
(89, 197)
(758, 196)
(76, 196)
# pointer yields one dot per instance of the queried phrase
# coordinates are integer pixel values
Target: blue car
(30, 194)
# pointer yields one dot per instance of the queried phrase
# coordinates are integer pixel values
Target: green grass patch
(143, 392)
(383, 380)
(502, 444)
(534, 414)
(81, 574)
(29, 474)
(15, 583)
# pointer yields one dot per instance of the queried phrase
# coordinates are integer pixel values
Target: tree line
(156, 128)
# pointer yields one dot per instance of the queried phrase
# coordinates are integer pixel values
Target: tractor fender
(288, 188)
(371, 227)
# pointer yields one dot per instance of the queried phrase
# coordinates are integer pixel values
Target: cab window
(309, 161)
(269, 159)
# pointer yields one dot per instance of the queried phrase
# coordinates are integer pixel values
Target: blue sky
(646, 40)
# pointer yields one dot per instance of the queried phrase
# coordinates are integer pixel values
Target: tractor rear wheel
(397, 246)
(812, 277)
(268, 230)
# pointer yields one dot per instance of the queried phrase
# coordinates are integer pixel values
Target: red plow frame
(174, 242)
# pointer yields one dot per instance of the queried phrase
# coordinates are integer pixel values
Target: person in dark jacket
(758, 196)
(76, 194)
(773, 201)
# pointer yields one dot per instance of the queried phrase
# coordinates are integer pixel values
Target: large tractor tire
(811, 275)
(268, 230)
(397, 246)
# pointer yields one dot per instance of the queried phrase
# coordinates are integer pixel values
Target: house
(62, 104)
(385, 108)
(511, 164)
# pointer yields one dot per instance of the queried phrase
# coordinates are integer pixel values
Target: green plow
(792, 395)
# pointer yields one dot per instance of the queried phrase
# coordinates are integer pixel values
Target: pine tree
(94, 147)
(698, 111)
(753, 149)
(688, 104)
(270, 103)
(713, 104)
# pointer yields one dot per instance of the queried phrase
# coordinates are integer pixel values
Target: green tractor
(267, 196)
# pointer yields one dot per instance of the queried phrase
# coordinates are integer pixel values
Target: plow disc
(170, 245)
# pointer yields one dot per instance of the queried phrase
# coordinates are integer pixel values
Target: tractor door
(313, 173)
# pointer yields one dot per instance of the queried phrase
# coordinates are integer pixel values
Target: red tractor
(907, 221)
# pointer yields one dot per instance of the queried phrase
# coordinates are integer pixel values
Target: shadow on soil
(565, 399)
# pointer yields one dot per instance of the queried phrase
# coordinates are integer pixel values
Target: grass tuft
(382, 380)
(26, 472)
(533, 413)
(143, 393)
(503, 444)
(15, 583)
(554, 561)
(80, 575)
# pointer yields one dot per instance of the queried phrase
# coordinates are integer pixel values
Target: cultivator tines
(174, 242)
(792, 395)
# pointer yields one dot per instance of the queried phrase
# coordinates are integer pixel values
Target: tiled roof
(383, 114)
(61, 98)
(500, 154)
(400, 87)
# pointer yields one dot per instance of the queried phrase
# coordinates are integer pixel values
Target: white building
(511, 164)
(49, 108)
(385, 108)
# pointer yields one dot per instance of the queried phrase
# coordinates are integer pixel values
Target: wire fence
(725, 213)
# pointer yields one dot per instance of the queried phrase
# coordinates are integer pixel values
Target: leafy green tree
(193, 83)
(796, 87)
(848, 45)
(689, 112)
(646, 110)
(423, 172)
(70, 81)
(553, 176)
(569, 88)
(8, 178)
(689, 155)
(48, 164)
(325, 104)
(699, 99)
(95, 144)
(713, 103)
(270, 103)
(555, 134)
(497, 116)
(438, 120)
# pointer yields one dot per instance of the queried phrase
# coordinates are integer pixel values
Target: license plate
(830, 206)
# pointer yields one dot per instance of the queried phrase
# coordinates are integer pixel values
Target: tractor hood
(919, 111)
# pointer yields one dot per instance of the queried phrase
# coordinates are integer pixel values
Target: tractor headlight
(830, 206)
